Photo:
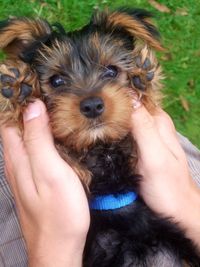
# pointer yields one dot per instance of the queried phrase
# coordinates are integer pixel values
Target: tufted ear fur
(135, 23)
(21, 37)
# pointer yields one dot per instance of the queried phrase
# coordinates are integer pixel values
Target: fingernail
(136, 103)
(33, 111)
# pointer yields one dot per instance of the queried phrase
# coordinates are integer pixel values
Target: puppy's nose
(92, 107)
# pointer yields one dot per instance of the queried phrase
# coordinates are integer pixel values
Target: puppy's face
(87, 87)
(88, 77)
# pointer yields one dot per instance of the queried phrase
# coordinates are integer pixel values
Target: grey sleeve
(12, 246)
(193, 157)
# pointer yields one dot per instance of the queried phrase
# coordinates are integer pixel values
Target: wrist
(189, 215)
(57, 254)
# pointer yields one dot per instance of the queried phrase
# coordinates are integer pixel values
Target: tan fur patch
(19, 33)
(134, 27)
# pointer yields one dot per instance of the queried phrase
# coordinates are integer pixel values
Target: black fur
(133, 235)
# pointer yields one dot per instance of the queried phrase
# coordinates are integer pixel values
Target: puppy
(87, 80)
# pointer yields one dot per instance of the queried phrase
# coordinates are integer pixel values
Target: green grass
(180, 33)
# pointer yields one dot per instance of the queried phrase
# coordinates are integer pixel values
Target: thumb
(38, 139)
(146, 135)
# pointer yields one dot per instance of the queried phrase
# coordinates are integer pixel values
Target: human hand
(51, 203)
(166, 185)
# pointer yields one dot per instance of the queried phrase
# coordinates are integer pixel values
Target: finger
(12, 184)
(144, 130)
(13, 187)
(149, 143)
(168, 134)
(36, 129)
(11, 138)
(17, 163)
(10, 179)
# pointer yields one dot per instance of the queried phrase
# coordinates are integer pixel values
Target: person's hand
(166, 185)
(51, 203)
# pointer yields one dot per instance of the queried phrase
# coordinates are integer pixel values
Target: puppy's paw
(146, 78)
(19, 85)
(145, 69)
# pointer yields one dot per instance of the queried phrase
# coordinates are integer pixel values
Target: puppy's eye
(56, 81)
(110, 71)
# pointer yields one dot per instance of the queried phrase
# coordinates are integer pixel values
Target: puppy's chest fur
(111, 166)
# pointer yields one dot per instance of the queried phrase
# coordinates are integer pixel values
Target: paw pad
(146, 64)
(6, 79)
(144, 73)
(25, 91)
(137, 82)
(11, 87)
(7, 92)
(15, 72)
(150, 76)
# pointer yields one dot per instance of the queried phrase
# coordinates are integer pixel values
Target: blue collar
(112, 201)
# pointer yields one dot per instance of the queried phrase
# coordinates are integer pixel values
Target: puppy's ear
(20, 37)
(135, 23)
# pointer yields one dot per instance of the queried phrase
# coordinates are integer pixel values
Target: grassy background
(180, 32)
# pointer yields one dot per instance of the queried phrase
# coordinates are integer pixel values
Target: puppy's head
(88, 77)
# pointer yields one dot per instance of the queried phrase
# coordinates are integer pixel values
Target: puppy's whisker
(96, 126)
(70, 129)
(99, 65)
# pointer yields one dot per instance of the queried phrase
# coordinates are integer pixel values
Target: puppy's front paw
(144, 70)
(146, 76)
(18, 86)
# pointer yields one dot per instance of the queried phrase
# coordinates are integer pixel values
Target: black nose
(92, 107)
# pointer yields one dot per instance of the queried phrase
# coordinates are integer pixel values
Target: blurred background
(179, 25)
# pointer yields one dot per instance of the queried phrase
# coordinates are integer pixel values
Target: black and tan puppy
(86, 79)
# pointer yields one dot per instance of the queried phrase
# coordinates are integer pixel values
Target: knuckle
(148, 122)
(163, 119)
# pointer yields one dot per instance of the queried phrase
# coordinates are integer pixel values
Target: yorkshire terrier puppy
(87, 80)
